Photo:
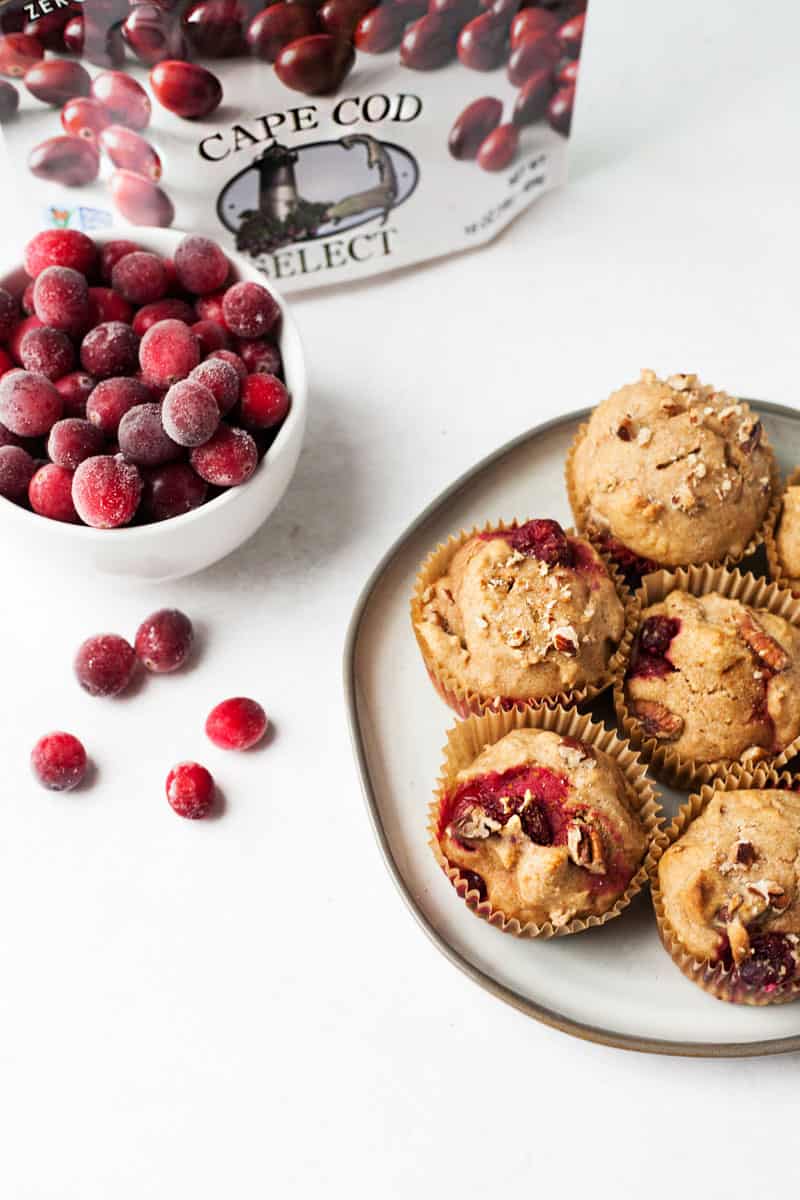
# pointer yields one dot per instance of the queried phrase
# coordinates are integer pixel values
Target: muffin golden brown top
(523, 613)
(673, 471)
(714, 679)
(729, 884)
(787, 537)
(543, 826)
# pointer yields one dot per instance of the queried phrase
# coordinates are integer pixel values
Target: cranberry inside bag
(326, 142)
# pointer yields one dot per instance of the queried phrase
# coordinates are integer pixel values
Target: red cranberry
(429, 43)
(110, 349)
(482, 43)
(9, 101)
(48, 29)
(104, 664)
(474, 882)
(74, 34)
(18, 334)
(169, 352)
(534, 53)
(228, 459)
(190, 790)
(543, 539)
(140, 278)
(316, 65)
(265, 401)
(215, 28)
(106, 305)
(106, 491)
(152, 35)
(559, 110)
(233, 359)
(474, 125)
(211, 336)
(380, 30)
(61, 299)
(533, 98)
(278, 25)
(170, 309)
(72, 440)
(340, 17)
(27, 299)
(499, 149)
(656, 634)
(6, 363)
(50, 494)
(190, 413)
(17, 469)
(124, 98)
(18, 53)
(29, 404)
(186, 89)
(143, 439)
(59, 761)
(221, 379)
(47, 352)
(201, 265)
(259, 356)
(164, 641)
(75, 390)
(73, 162)
(59, 248)
(772, 961)
(210, 308)
(250, 310)
(112, 252)
(535, 824)
(100, 43)
(111, 400)
(9, 313)
(236, 724)
(130, 151)
(141, 201)
(571, 35)
(568, 74)
(57, 80)
(171, 491)
(532, 22)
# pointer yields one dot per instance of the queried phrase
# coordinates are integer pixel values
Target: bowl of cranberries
(152, 401)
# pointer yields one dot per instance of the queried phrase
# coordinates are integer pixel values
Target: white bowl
(181, 545)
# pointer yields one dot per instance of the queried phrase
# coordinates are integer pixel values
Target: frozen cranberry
(59, 761)
(232, 359)
(210, 308)
(499, 149)
(112, 252)
(559, 110)
(112, 399)
(9, 313)
(169, 352)
(171, 491)
(169, 309)
(59, 248)
(61, 299)
(72, 440)
(143, 439)
(18, 53)
(278, 25)
(50, 494)
(186, 89)
(211, 336)
(164, 640)
(201, 265)
(236, 724)
(152, 34)
(18, 336)
(141, 201)
(6, 363)
(29, 404)
(315, 65)
(124, 98)
(250, 310)
(57, 80)
(17, 469)
(473, 126)
(190, 413)
(131, 151)
(47, 352)
(215, 28)
(110, 349)
(265, 401)
(260, 357)
(221, 379)
(140, 278)
(533, 98)
(190, 790)
(228, 459)
(107, 305)
(73, 162)
(380, 29)
(9, 101)
(104, 664)
(75, 390)
(106, 491)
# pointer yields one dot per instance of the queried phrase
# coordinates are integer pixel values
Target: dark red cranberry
(140, 278)
(59, 248)
(74, 34)
(532, 22)
(380, 29)
(278, 26)
(656, 634)
(57, 80)
(482, 43)
(237, 724)
(27, 300)
(9, 101)
(169, 352)
(340, 17)
(18, 333)
(499, 149)
(571, 35)
(124, 98)
(201, 265)
(535, 824)
(210, 308)
(568, 74)
(428, 43)
(17, 469)
(59, 761)
(235, 361)
(71, 161)
(110, 349)
(164, 640)
(260, 357)
(211, 336)
(474, 882)
(316, 65)
(534, 53)
(171, 491)
(474, 125)
(543, 539)
(106, 491)
(61, 299)
(152, 35)
(111, 400)
(130, 151)
(75, 390)
(48, 28)
(190, 413)
(228, 459)
(772, 962)
(73, 440)
(9, 313)
(265, 401)
(107, 305)
(143, 439)
(221, 379)
(29, 404)
(250, 310)
(6, 363)
(186, 89)
(533, 98)
(47, 352)
(104, 664)
(169, 309)
(18, 53)
(112, 252)
(190, 790)
(215, 28)
(632, 565)
(559, 110)
(50, 494)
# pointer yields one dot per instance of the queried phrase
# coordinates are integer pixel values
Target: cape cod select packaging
(327, 142)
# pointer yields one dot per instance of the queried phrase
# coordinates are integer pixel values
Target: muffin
(671, 472)
(727, 893)
(520, 614)
(785, 549)
(712, 679)
(543, 828)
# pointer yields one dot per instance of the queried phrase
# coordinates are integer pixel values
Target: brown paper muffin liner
(666, 764)
(775, 566)
(761, 535)
(713, 977)
(465, 741)
(465, 701)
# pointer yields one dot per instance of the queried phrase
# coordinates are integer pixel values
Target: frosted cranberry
(107, 305)
(260, 357)
(59, 248)
(771, 962)
(169, 309)
(18, 335)
(186, 89)
(17, 469)
(210, 308)
(106, 491)
(559, 110)
(72, 440)
(73, 162)
(47, 352)
(124, 98)
(530, 22)
(6, 363)
(236, 724)
(104, 664)
(112, 252)
(201, 265)
(29, 404)
(473, 126)
(499, 149)
(152, 35)
(143, 439)
(140, 278)
(26, 302)
(110, 349)
(59, 761)
(190, 413)
(381, 29)
(50, 494)
(211, 336)
(571, 35)
(112, 399)
(75, 390)
(57, 80)
(315, 65)
(265, 401)
(131, 151)
(221, 379)
(18, 53)
(533, 98)
(61, 299)
(141, 201)
(172, 490)
(228, 459)
(164, 640)
(250, 310)
(568, 74)
(9, 101)
(534, 53)
(169, 352)
(278, 25)
(9, 313)
(233, 359)
(190, 790)
(215, 28)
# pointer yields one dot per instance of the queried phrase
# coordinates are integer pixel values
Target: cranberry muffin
(713, 679)
(544, 827)
(787, 538)
(671, 472)
(520, 614)
(727, 891)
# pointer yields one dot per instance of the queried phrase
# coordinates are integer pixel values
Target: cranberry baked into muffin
(671, 472)
(544, 827)
(520, 614)
(727, 891)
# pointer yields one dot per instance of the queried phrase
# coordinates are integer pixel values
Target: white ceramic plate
(614, 984)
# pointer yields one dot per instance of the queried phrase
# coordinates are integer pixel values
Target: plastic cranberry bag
(328, 142)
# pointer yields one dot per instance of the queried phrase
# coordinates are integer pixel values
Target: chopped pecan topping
(516, 638)
(749, 435)
(770, 892)
(474, 824)
(565, 640)
(671, 408)
(657, 720)
(763, 646)
(644, 436)
(682, 383)
(585, 847)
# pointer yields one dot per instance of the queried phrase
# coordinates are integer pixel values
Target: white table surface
(244, 1007)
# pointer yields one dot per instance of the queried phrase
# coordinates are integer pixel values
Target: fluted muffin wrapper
(761, 535)
(776, 570)
(466, 701)
(465, 741)
(665, 763)
(713, 977)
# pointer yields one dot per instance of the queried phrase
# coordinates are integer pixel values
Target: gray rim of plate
(547, 1016)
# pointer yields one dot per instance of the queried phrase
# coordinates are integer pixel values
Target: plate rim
(538, 1012)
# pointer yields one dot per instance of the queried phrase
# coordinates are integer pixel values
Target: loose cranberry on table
(61, 299)
(59, 761)
(190, 790)
(29, 404)
(140, 200)
(17, 469)
(201, 265)
(19, 52)
(250, 311)
(140, 277)
(124, 98)
(106, 491)
(171, 491)
(265, 401)
(111, 399)
(236, 724)
(70, 161)
(228, 459)
(47, 352)
(169, 352)
(50, 494)
(59, 248)
(85, 118)
(190, 413)
(57, 80)
(164, 640)
(104, 664)
(72, 440)
(186, 89)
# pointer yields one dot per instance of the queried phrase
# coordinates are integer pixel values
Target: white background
(243, 1007)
